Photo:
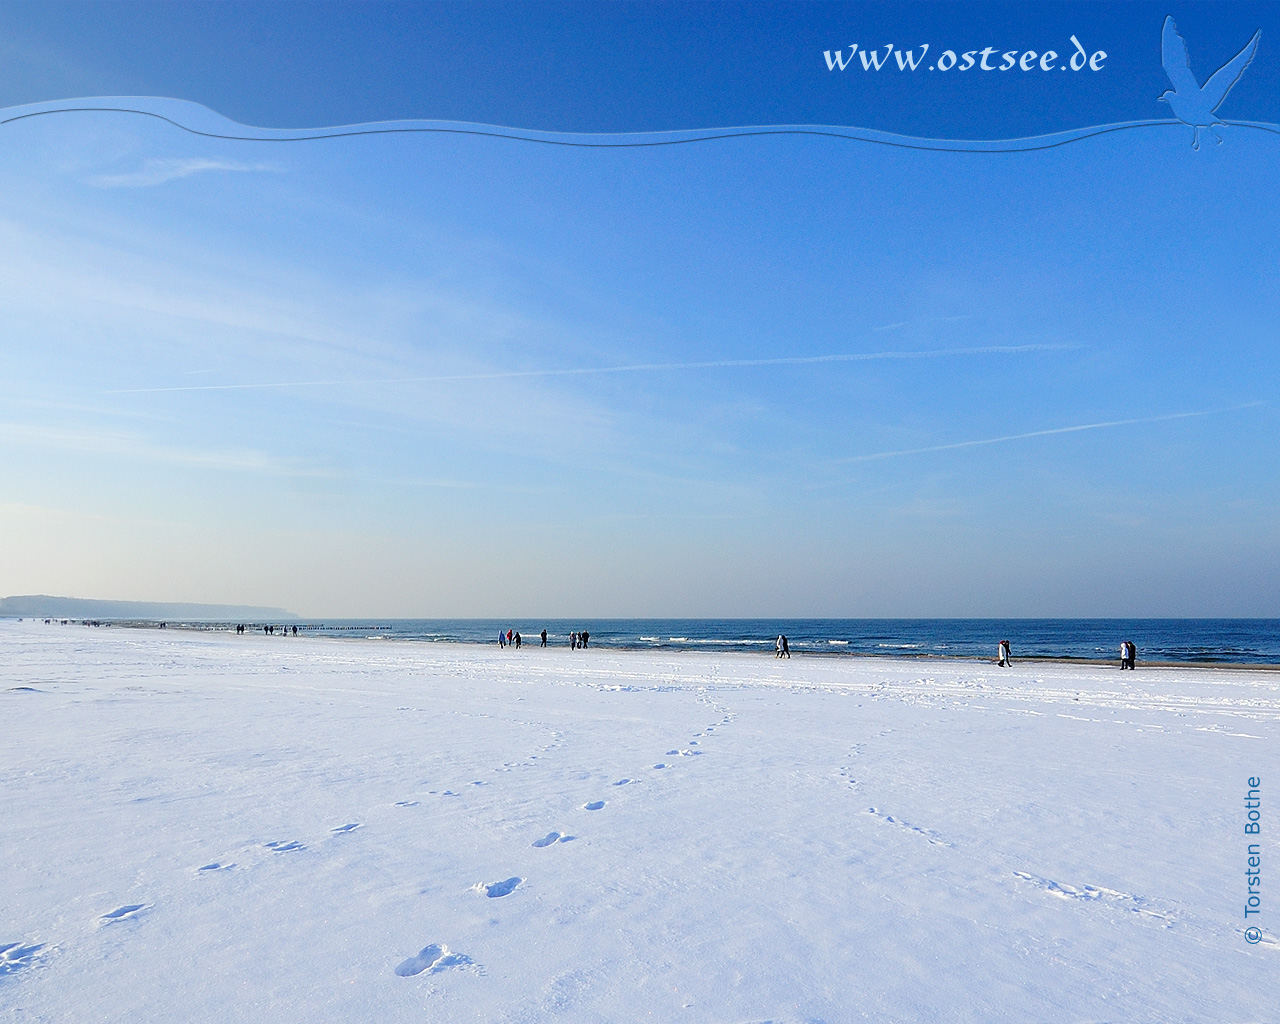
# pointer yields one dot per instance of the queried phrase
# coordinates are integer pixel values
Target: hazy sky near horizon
(450, 375)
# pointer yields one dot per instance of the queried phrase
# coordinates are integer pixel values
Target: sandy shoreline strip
(896, 656)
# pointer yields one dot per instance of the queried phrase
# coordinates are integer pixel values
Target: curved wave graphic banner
(199, 120)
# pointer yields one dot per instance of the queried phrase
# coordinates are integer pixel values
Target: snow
(205, 827)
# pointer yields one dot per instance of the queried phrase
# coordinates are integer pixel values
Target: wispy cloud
(1042, 433)
(583, 371)
(157, 171)
(131, 446)
(924, 320)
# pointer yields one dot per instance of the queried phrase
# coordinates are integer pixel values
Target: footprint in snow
(280, 846)
(595, 805)
(15, 956)
(433, 959)
(495, 890)
(551, 838)
(624, 782)
(662, 766)
(345, 828)
(215, 866)
(122, 913)
(406, 803)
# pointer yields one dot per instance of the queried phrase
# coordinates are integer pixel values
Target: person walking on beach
(583, 639)
(777, 647)
(786, 647)
(1124, 655)
(502, 639)
(573, 641)
(1006, 659)
(544, 638)
(517, 639)
(508, 638)
(1133, 655)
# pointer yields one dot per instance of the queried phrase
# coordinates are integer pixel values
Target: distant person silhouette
(502, 639)
(1006, 658)
(777, 647)
(517, 639)
(584, 638)
(544, 638)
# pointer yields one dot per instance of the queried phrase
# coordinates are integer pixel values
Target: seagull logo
(1192, 103)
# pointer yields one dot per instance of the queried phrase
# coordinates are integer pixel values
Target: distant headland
(44, 606)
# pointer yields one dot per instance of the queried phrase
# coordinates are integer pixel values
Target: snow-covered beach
(210, 827)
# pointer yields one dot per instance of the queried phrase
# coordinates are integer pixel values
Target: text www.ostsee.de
(989, 58)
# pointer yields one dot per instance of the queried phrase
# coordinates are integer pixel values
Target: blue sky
(218, 356)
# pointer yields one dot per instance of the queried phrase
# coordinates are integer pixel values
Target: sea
(1213, 641)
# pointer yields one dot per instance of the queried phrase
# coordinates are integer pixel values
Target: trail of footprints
(1139, 905)
(1084, 894)
(433, 958)
(927, 833)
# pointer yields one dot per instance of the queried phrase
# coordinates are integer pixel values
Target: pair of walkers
(781, 649)
(1128, 655)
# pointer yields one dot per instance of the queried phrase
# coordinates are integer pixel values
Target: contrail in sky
(844, 357)
(1043, 433)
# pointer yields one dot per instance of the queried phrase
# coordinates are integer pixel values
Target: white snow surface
(210, 827)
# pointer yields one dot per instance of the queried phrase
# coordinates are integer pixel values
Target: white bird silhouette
(1192, 103)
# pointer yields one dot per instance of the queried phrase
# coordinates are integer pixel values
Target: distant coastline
(45, 606)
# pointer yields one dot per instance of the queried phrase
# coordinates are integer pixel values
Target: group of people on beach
(512, 638)
(268, 630)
